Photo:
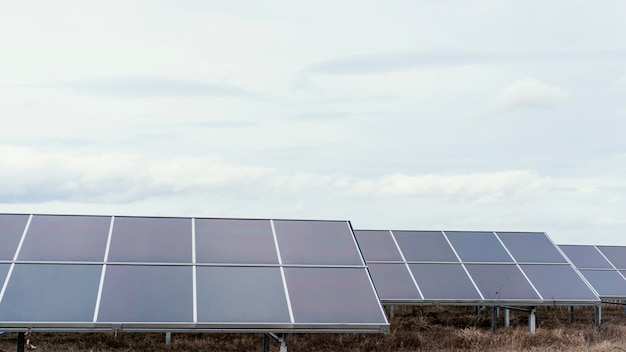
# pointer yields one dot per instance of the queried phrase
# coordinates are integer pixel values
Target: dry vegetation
(412, 329)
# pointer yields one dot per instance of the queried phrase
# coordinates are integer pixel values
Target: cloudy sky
(405, 115)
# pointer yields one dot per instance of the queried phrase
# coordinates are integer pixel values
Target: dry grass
(412, 329)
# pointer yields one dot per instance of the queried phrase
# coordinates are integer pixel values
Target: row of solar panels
(64, 272)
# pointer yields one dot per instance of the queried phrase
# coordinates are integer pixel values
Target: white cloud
(530, 93)
(480, 187)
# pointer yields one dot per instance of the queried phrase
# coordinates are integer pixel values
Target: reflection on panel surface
(444, 282)
(478, 247)
(531, 247)
(333, 295)
(11, 230)
(585, 257)
(316, 242)
(161, 240)
(549, 281)
(425, 246)
(51, 293)
(501, 281)
(393, 282)
(235, 241)
(241, 294)
(66, 238)
(377, 245)
(141, 293)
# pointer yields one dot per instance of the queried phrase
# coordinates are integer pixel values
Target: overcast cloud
(489, 115)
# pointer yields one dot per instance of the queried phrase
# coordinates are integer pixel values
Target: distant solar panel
(85, 273)
(469, 267)
(600, 266)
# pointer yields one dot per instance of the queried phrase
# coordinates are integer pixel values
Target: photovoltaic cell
(549, 281)
(425, 246)
(531, 247)
(393, 282)
(608, 283)
(378, 245)
(444, 282)
(51, 293)
(585, 257)
(142, 293)
(66, 238)
(317, 242)
(241, 295)
(153, 240)
(501, 282)
(235, 241)
(478, 247)
(11, 230)
(340, 295)
(615, 254)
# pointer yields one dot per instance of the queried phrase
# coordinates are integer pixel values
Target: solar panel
(600, 266)
(86, 273)
(471, 267)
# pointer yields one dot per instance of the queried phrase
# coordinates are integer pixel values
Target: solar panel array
(66, 273)
(603, 266)
(482, 268)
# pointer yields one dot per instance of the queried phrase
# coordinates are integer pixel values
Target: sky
(395, 115)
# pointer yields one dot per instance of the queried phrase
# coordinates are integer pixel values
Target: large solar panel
(87, 273)
(601, 266)
(469, 267)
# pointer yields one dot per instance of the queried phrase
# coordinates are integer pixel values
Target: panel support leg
(494, 319)
(531, 320)
(168, 337)
(266, 343)
(283, 343)
(391, 311)
(507, 317)
(598, 316)
(20, 342)
(570, 310)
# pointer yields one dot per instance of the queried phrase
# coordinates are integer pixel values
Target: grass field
(412, 329)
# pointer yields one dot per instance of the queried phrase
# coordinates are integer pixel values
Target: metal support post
(494, 319)
(266, 343)
(20, 341)
(283, 343)
(391, 311)
(531, 320)
(598, 316)
(168, 337)
(507, 317)
(570, 310)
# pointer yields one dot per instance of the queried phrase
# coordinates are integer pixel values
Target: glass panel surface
(615, 254)
(66, 238)
(11, 230)
(377, 245)
(587, 257)
(51, 293)
(424, 246)
(608, 283)
(478, 247)
(162, 240)
(235, 241)
(317, 242)
(531, 247)
(444, 281)
(4, 269)
(501, 281)
(241, 294)
(393, 282)
(558, 282)
(141, 293)
(333, 296)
